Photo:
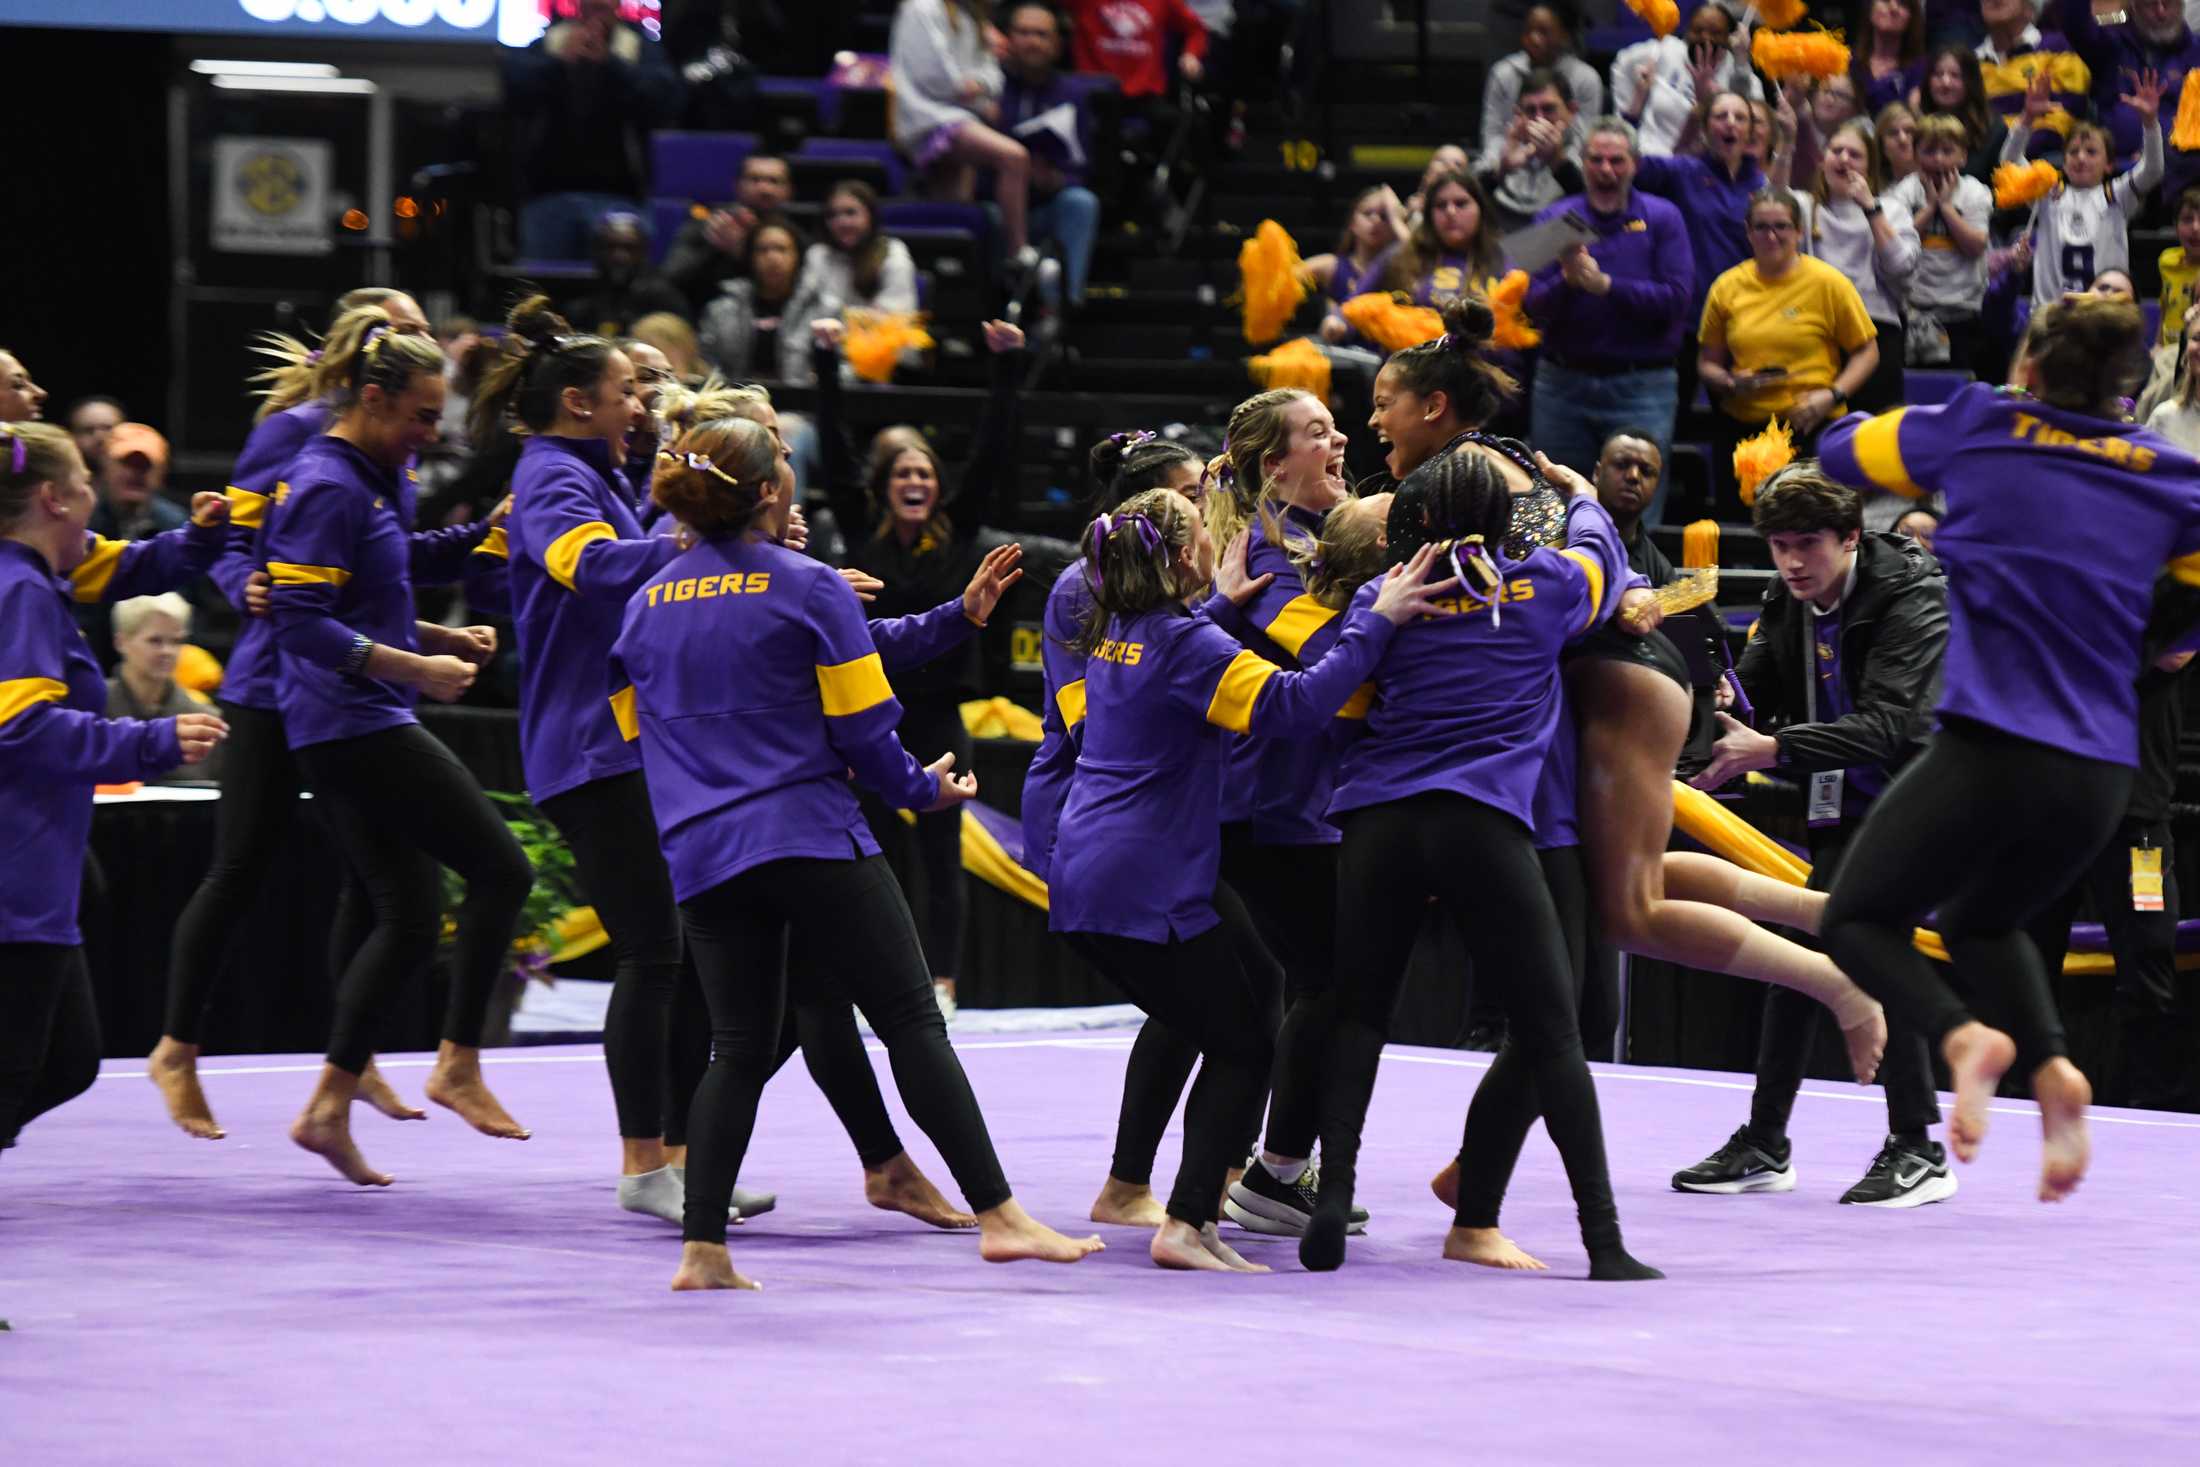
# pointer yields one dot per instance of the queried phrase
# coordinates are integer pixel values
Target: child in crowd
(2082, 228)
(1950, 210)
(2180, 267)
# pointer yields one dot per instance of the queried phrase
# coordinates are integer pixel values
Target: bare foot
(1977, 1059)
(1007, 1234)
(1128, 1205)
(899, 1186)
(1445, 1184)
(1491, 1249)
(2063, 1094)
(1867, 1042)
(456, 1084)
(1210, 1238)
(376, 1091)
(174, 1068)
(708, 1266)
(1178, 1245)
(325, 1130)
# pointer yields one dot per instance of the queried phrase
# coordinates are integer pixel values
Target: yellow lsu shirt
(1808, 321)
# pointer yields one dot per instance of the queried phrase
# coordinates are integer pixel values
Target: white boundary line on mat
(1117, 1041)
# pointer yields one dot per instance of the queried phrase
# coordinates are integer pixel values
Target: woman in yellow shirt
(1783, 336)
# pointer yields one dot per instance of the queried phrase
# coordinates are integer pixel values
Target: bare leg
(1633, 722)
(324, 1128)
(376, 1091)
(676, 1156)
(1445, 1184)
(1007, 1234)
(899, 1186)
(639, 1154)
(2063, 1094)
(1977, 1059)
(456, 1084)
(708, 1266)
(980, 146)
(1693, 877)
(173, 1067)
(1128, 1205)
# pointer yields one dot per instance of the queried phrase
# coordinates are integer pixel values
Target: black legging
(1982, 830)
(1790, 1028)
(931, 725)
(49, 1032)
(1396, 856)
(1162, 1057)
(1291, 892)
(402, 807)
(260, 785)
(852, 915)
(1199, 988)
(823, 1028)
(608, 825)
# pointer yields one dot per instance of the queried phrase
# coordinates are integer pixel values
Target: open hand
(2145, 96)
(996, 573)
(866, 586)
(1230, 578)
(1569, 483)
(1406, 592)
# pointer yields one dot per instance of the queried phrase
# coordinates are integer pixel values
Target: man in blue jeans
(1613, 310)
(1050, 118)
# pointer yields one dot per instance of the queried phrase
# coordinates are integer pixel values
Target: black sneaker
(1259, 1203)
(1903, 1175)
(1739, 1166)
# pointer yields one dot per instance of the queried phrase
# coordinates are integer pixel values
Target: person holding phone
(1783, 336)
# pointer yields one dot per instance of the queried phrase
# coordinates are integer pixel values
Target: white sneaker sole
(1256, 1214)
(1932, 1189)
(1762, 1182)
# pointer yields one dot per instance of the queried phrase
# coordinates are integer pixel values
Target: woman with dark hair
(1137, 853)
(856, 264)
(1783, 336)
(2039, 696)
(759, 325)
(400, 804)
(1887, 51)
(1454, 249)
(747, 762)
(906, 527)
(1953, 85)
(1372, 233)
(1482, 684)
(54, 746)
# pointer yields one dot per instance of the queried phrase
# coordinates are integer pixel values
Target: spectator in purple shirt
(2153, 38)
(1613, 310)
(1062, 208)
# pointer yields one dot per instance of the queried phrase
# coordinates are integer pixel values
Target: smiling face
(913, 487)
(1309, 470)
(21, 399)
(1456, 217)
(414, 418)
(615, 407)
(1198, 555)
(1608, 168)
(1709, 26)
(1728, 125)
(2085, 161)
(1411, 427)
(1945, 83)
(1772, 237)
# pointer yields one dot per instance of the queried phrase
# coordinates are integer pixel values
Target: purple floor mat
(234, 1302)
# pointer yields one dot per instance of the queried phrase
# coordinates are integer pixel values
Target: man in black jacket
(1845, 662)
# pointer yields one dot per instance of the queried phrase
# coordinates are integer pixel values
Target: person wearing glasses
(1535, 162)
(1783, 336)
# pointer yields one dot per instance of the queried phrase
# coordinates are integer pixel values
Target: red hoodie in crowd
(1129, 39)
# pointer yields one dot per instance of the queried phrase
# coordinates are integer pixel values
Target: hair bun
(1470, 322)
(534, 322)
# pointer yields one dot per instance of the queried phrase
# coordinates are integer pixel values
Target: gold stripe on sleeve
(1232, 705)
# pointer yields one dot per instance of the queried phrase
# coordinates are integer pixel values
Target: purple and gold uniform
(578, 553)
(1062, 722)
(2058, 525)
(338, 557)
(1139, 844)
(1296, 776)
(472, 552)
(55, 744)
(748, 762)
(1469, 701)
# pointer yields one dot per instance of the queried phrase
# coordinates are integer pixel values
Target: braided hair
(1134, 560)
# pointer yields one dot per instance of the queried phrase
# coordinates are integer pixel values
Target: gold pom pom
(1298, 363)
(1273, 281)
(2018, 184)
(1780, 15)
(1391, 320)
(1513, 330)
(2185, 133)
(876, 340)
(1799, 53)
(1757, 459)
(1662, 16)
(1700, 544)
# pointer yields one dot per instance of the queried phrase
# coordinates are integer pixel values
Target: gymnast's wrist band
(362, 648)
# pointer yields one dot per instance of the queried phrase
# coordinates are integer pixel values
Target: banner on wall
(271, 196)
(513, 22)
